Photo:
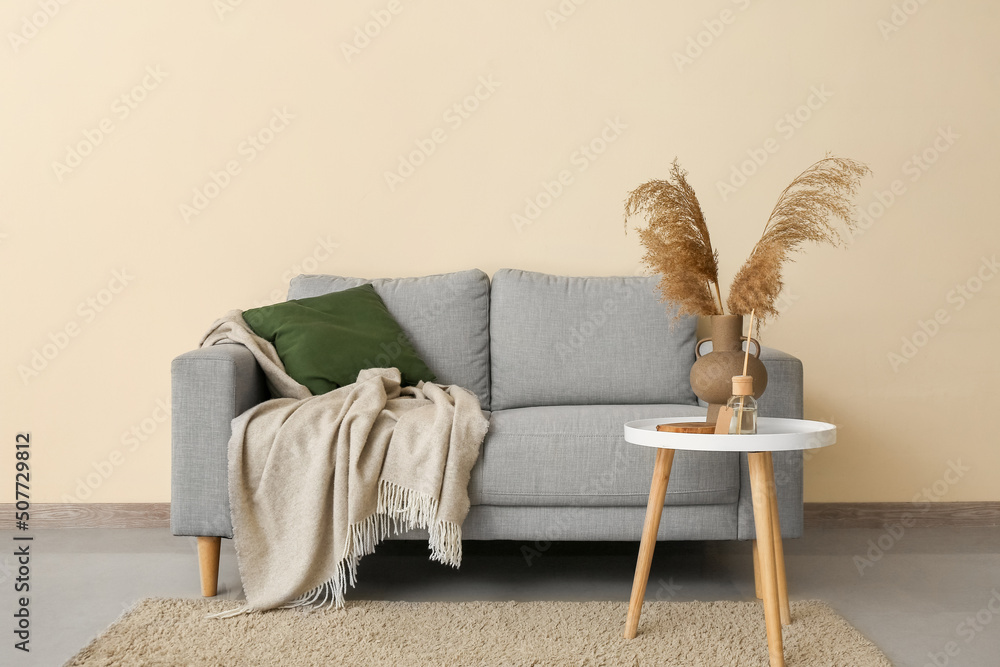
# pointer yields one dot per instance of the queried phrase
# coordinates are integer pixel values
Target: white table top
(773, 435)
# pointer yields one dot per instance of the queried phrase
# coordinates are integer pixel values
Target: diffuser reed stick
(746, 361)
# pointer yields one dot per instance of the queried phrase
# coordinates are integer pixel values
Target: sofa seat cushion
(557, 340)
(445, 317)
(577, 456)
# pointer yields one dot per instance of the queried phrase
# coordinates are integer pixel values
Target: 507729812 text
(22, 543)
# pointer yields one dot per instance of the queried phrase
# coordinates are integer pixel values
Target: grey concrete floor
(918, 595)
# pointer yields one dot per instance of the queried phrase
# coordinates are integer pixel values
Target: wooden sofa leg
(208, 564)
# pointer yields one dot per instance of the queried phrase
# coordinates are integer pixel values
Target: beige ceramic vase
(712, 374)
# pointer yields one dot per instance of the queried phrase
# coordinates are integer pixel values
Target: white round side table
(773, 435)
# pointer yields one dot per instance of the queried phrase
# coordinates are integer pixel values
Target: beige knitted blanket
(315, 482)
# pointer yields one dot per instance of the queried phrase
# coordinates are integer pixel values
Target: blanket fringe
(328, 594)
(230, 613)
(398, 510)
(407, 507)
(446, 543)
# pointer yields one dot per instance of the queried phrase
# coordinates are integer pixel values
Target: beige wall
(198, 80)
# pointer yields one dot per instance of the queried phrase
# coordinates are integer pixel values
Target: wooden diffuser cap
(742, 385)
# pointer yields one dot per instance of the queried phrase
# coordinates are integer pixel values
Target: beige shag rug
(713, 634)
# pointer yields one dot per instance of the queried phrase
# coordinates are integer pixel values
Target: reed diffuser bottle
(743, 405)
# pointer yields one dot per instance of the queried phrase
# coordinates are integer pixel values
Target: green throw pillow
(325, 341)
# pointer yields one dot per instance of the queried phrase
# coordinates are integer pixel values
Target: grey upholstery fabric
(557, 340)
(782, 398)
(576, 456)
(445, 316)
(539, 525)
(209, 387)
(525, 485)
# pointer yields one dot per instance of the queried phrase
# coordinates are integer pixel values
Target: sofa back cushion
(446, 318)
(557, 340)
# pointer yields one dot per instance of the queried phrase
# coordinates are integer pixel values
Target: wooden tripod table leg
(756, 572)
(759, 481)
(779, 551)
(654, 508)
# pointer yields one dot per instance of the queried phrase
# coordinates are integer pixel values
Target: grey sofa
(559, 365)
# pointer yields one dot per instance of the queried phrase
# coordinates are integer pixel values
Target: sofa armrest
(782, 398)
(209, 388)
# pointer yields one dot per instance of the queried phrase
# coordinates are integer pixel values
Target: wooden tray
(686, 427)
